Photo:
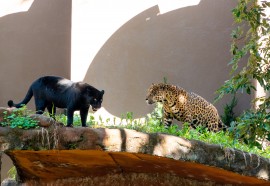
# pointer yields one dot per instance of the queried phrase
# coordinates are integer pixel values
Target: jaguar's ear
(155, 85)
(163, 86)
(102, 92)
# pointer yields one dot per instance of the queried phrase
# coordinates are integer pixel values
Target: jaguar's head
(155, 93)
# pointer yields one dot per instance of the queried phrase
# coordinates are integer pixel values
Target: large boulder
(59, 155)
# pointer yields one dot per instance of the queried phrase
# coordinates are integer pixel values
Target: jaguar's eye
(95, 99)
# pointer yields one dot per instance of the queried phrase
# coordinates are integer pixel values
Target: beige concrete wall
(34, 43)
(189, 46)
(121, 47)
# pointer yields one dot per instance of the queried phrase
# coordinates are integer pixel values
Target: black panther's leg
(70, 113)
(40, 106)
(51, 109)
(84, 113)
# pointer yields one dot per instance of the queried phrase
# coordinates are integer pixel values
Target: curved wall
(189, 46)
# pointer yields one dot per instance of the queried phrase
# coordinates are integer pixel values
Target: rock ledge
(58, 154)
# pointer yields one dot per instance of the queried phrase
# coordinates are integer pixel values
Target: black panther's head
(96, 100)
(94, 97)
(91, 95)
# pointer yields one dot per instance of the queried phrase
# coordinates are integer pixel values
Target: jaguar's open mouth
(94, 109)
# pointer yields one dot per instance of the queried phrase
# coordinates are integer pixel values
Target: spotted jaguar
(184, 106)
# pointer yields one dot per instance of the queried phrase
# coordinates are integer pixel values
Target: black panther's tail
(24, 101)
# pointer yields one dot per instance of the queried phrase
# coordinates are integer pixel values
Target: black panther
(52, 91)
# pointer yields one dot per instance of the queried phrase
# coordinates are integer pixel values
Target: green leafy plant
(19, 118)
(156, 117)
(23, 122)
(251, 46)
(229, 115)
(252, 127)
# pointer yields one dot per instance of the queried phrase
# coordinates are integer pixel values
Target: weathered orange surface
(48, 165)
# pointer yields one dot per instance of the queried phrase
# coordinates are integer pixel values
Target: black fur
(52, 91)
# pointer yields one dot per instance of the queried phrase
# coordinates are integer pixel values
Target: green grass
(153, 124)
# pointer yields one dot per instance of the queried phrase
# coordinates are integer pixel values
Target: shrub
(250, 39)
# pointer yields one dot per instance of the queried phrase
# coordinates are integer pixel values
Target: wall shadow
(34, 43)
(189, 46)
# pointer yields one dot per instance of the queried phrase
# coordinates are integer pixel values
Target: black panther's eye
(95, 99)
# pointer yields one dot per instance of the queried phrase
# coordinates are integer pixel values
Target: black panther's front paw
(70, 125)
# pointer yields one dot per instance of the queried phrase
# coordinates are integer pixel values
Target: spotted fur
(185, 107)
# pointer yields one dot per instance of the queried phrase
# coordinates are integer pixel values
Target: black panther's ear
(88, 89)
(102, 92)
